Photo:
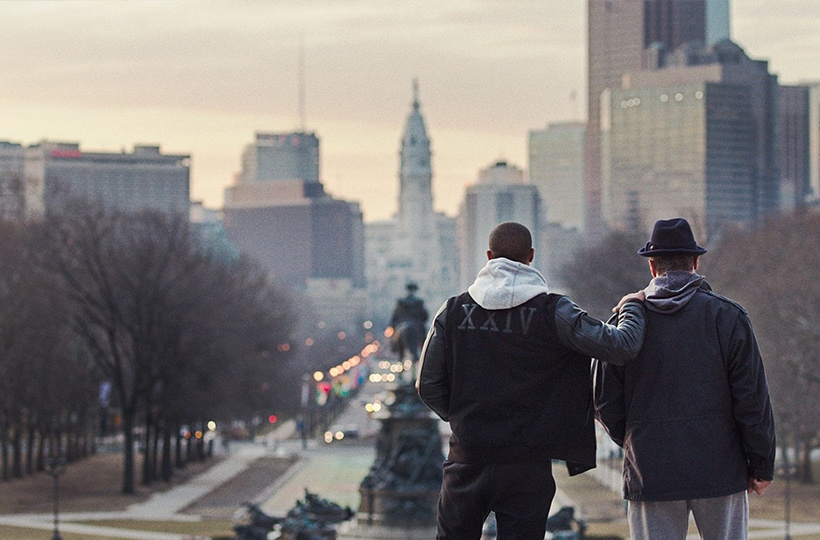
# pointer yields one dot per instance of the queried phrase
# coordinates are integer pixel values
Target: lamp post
(56, 466)
(788, 501)
(304, 408)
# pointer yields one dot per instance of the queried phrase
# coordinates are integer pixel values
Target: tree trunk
(41, 452)
(804, 472)
(128, 453)
(30, 450)
(155, 452)
(189, 447)
(167, 468)
(16, 450)
(4, 442)
(70, 457)
(147, 458)
(180, 463)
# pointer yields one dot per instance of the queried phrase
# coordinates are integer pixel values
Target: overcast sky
(201, 77)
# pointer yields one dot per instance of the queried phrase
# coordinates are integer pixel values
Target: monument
(399, 495)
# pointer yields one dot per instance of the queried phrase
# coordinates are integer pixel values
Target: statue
(313, 519)
(409, 325)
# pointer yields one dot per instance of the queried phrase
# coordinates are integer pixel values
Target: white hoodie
(504, 284)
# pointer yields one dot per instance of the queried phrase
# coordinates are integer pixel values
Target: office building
(46, 176)
(499, 195)
(556, 167)
(278, 214)
(814, 141)
(626, 36)
(698, 141)
(281, 156)
(285, 220)
(718, 26)
(795, 152)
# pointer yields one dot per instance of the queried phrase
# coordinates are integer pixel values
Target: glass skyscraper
(625, 36)
(697, 141)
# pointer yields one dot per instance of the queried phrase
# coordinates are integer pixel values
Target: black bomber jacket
(515, 383)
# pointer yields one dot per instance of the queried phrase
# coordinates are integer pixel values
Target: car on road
(339, 433)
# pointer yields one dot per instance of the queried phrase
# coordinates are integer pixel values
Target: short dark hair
(512, 241)
(671, 263)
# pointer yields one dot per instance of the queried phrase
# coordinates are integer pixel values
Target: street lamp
(788, 500)
(56, 466)
(303, 421)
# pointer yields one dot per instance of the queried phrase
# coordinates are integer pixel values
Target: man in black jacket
(508, 365)
(692, 412)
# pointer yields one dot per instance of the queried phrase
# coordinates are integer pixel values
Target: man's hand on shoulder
(639, 296)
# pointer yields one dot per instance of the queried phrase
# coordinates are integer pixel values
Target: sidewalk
(165, 506)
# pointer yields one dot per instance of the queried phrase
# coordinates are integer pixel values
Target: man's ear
(489, 255)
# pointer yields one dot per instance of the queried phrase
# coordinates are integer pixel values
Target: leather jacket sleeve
(616, 344)
(433, 384)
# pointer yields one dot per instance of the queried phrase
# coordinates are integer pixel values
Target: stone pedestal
(400, 493)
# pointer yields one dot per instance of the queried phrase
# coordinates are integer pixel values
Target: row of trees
(181, 333)
(773, 271)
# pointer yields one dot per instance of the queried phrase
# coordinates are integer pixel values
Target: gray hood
(504, 284)
(670, 292)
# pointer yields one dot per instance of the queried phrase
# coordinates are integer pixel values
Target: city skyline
(201, 78)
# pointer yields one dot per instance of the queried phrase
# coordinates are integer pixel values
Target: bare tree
(117, 270)
(598, 276)
(44, 396)
(174, 328)
(770, 271)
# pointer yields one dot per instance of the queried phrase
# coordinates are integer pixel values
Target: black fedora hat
(671, 237)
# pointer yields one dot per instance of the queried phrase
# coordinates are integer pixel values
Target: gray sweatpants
(719, 518)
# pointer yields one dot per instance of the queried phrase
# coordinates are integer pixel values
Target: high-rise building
(44, 177)
(795, 152)
(698, 141)
(625, 36)
(556, 167)
(417, 245)
(814, 141)
(281, 156)
(499, 195)
(718, 27)
(287, 222)
(278, 214)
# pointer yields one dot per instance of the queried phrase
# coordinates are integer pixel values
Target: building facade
(698, 141)
(46, 176)
(304, 238)
(556, 168)
(795, 149)
(814, 141)
(626, 36)
(281, 156)
(499, 195)
(718, 21)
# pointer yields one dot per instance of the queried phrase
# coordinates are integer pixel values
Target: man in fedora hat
(692, 411)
